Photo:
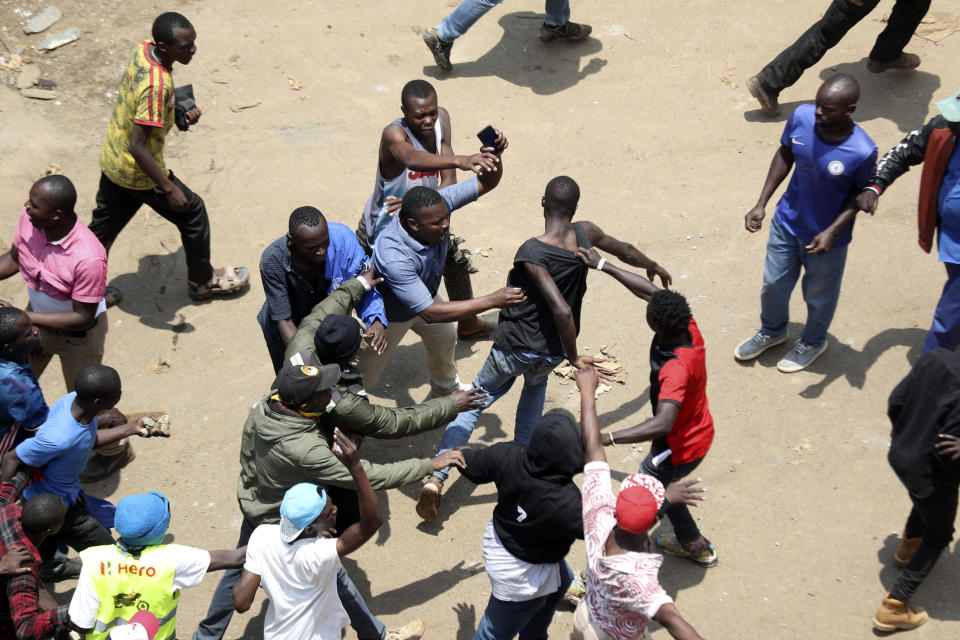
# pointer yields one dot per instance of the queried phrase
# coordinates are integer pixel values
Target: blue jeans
(214, 626)
(821, 284)
(945, 330)
(496, 377)
(666, 472)
(530, 619)
(459, 22)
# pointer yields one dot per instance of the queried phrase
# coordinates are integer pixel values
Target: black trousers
(80, 531)
(116, 206)
(840, 17)
(931, 519)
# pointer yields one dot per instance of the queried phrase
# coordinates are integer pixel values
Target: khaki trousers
(439, 341)
(75, 352)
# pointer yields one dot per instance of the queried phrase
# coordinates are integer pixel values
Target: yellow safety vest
(126, 585)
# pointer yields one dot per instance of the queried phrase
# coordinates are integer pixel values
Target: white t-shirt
(192, 565)
(512, 579)
(301, 581)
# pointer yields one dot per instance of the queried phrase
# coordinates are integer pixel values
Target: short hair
(669, 311)
(844, 85)
(42, 512)
(9, 317)
(166, 24)
(95, 381)
(416, 200)
(561, 196)
(62, 193)
(305, 216)
(416, 89)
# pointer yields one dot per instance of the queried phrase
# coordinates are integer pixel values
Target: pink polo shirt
(73, 268)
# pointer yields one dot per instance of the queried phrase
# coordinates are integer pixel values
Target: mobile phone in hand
(488, 138)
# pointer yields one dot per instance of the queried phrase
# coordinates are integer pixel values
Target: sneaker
(410, 631)
(66, 571)
(428, 506)
(570, 31)
(768, 101)
(439, 48)
(894, 615)
(760, 342)
(800, 357)
(100, 466)
(906, 62)
(706, 557)
(576, 591)
(905, 551)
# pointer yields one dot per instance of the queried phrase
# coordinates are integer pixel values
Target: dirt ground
(651, 117)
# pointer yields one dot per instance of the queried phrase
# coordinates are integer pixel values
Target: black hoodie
(538, 513)
(925, 404)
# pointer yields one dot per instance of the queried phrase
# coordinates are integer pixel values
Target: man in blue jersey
(813, 223)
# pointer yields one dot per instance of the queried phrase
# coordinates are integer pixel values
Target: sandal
(489, 325)
(225, 280)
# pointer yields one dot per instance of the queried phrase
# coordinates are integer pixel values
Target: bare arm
(562, 315)
(397, 151)
(587, 381)
(9, 465)
(138, 149)
(626, 252)
(779, 169)
(658, 425)
(227, 559)
(636, 284)
(114, 434)
(457, 310)
(823, 241)
(9, 263)
(245, 590)
(286, 329)
(370, 520)
(672, 621)
(447, 176)
(80, 318)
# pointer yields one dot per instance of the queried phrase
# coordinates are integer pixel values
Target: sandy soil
(652, 118)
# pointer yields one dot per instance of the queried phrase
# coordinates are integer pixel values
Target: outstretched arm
(452, 311)
(396, 147)
(370, 520)
(587, 381)
(626, 252)
(658, 425)
(636, 284)
(672, 621)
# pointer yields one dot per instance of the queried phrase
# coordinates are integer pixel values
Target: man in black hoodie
(925, 454)
(537, 518)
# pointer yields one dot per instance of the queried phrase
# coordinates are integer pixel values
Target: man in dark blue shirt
(301, 268)
(814, 218)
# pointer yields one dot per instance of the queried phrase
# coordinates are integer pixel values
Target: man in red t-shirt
(681, 427)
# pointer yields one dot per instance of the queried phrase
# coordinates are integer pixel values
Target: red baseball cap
(638, 503)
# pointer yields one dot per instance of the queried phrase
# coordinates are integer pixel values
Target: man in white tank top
(415, 150)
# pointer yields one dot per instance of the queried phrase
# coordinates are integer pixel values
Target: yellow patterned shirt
(145, 98)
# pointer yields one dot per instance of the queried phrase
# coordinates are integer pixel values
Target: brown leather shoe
(768, 101)
(906, 62)
(100, 466)
(894, 615)
(905, 551)
(428, 506)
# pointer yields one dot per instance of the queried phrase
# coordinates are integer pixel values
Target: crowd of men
(338, 301)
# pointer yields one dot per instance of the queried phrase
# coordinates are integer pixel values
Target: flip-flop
(489, 326)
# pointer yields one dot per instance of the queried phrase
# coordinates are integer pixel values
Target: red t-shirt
(681, 378)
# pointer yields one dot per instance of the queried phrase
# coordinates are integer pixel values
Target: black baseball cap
(337, 338)
(297, 384)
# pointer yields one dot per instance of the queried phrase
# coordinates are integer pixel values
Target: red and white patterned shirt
(623, 591)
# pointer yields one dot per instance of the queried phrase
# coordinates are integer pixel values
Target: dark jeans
(931, 519)
(666, 472)
(215, 624)
(116, 206)
(840, 17)
(80, 531)
(529, 619)
(275, 346)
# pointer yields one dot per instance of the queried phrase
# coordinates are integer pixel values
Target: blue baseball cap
(302, 504)
(950, 107)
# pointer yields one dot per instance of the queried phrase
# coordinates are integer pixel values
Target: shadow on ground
(522, 60)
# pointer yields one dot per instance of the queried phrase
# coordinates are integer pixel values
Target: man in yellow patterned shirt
(133, 170)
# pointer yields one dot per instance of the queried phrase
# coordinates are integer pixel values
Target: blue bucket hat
(142, 519)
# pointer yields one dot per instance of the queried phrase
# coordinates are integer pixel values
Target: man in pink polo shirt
(65, 269)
